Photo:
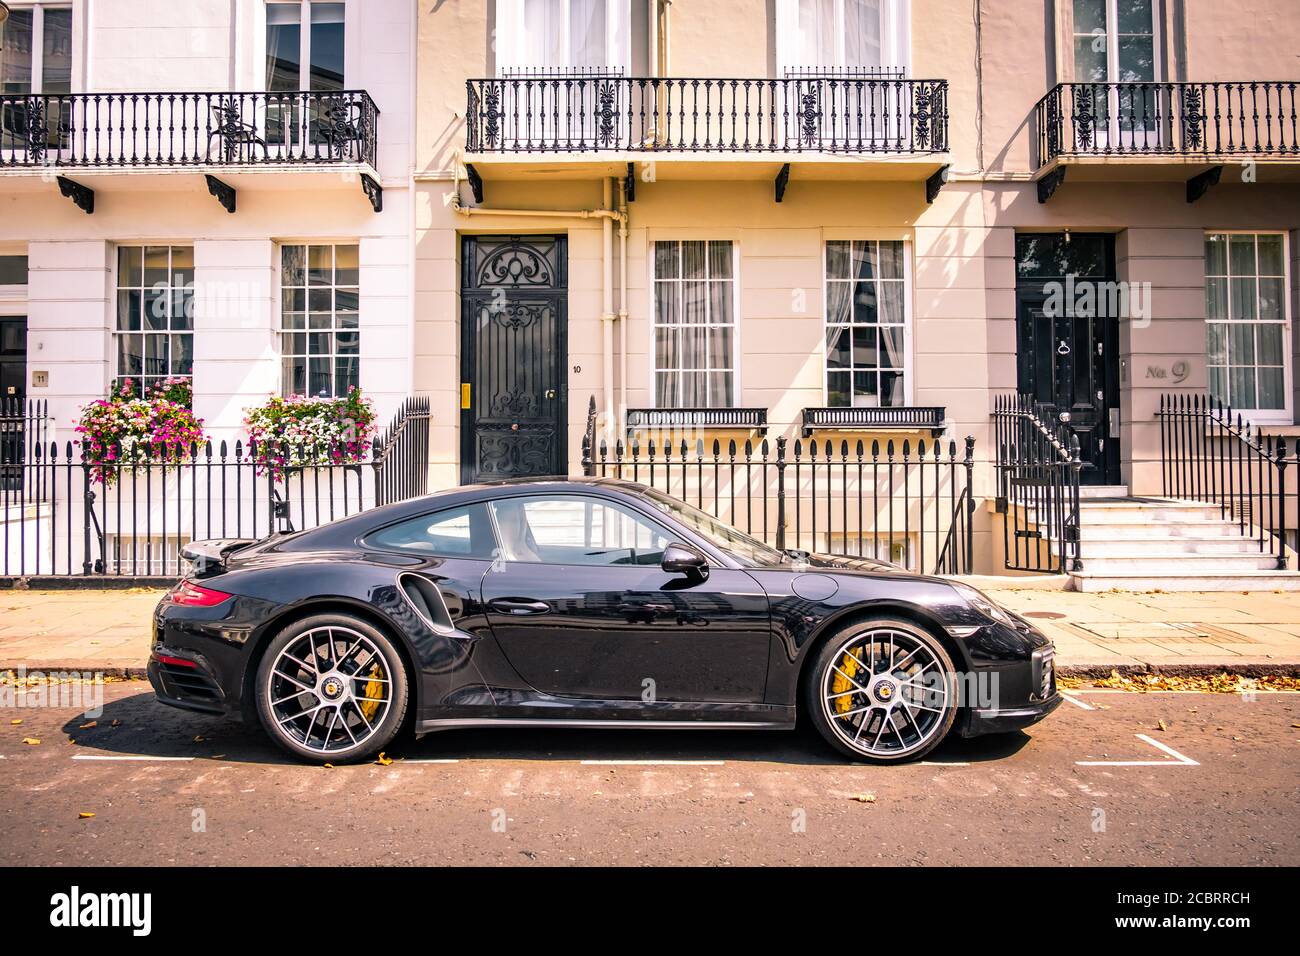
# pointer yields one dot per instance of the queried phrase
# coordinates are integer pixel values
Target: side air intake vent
(427, 600)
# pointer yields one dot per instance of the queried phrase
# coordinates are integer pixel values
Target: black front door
(1067, 341)
(514, 313)
(13, 377)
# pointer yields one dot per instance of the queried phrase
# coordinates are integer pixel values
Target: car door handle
(518, 606)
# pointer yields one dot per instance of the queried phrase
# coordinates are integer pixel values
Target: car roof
(346, 530)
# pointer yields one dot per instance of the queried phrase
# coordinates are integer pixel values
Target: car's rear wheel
(882, 690)
(332, 688)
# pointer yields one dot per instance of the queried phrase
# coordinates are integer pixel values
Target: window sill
(922, 418)
(688, 419)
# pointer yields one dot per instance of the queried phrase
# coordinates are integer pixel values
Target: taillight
(189, 594)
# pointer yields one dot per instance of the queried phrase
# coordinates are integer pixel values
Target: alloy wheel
(329, 689)
(885, 693)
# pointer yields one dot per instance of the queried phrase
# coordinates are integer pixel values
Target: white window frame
(304, 42)
(38, 11)
(909, 363)
(1263, 416)
(508, 43)
(1112, 41)
(736, 389)
(895, 36)
(281, 331)
(143, 377)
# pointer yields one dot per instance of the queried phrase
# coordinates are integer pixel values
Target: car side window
(456, 533)
(575, 529)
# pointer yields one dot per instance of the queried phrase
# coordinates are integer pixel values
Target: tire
(349, 706)
(894, 714)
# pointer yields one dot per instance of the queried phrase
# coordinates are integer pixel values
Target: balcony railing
(1181, 119)
(676, 419)
(920, 417)
(187, 129)
(827, 114)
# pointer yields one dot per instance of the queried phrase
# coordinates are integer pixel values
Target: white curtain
(562, 34)
(843, 34)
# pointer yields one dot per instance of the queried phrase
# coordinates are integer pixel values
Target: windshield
(736, 543)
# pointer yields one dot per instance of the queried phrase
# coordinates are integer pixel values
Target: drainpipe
(607, 317)
(622, 305)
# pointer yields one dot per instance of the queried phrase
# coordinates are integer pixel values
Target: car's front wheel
(332, 688)
(882, 690)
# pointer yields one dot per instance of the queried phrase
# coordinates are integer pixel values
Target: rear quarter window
(464, 532)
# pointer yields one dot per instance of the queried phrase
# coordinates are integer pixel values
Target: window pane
(864, 303)
(1216, 343)
(668, 260)
(16, 53)
(1137, 63)
(1269, 344)
(347, 374)
(1134, 16)
(1089, 15)
(1271, 292)
(320, 265)
(838, 389)
(667, 308)
(720, 260)
(128, 311)
(1216, 299)
(1241, 344)
(1219, 385)
(692, 354)
(1270, 389)
(130, 269)
(721, 301)
(667, 394)
(283, 46)
(1241, 251)
(720, 347)
(157, 306)
(667, 348)
(182, 357)
(837, 347)
(694, 299)
(837, 260)
(130, 355)
(692, 260)
(295, 376)
(864, 348)
(891, 346)
(864, 260)
(293, 265)
(694, 390)
(156, 264)
(461, 532)
(1089, 59)
(1270, 255)
(891, 260)
(1216, 255)
(1242, 387)
(347, 265)
(720, 389)
(56, 52)
(1243, 298)
(891, 302)
(891, 389)
(866, 389)
(327, 46)
(13, 270)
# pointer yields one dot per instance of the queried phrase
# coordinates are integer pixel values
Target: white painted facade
(70, 300)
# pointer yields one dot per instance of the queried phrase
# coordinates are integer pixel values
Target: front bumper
(996, 721)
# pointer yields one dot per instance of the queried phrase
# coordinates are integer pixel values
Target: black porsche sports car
(596, 603)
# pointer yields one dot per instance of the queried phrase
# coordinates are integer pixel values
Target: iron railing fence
(24, 427)
(1198, 119)
(1211, 454)
(823, 114)
(129, 516)
(898, 501)
(1038, 468)
(71, 130)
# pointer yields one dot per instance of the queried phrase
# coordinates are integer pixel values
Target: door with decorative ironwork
(514, 314)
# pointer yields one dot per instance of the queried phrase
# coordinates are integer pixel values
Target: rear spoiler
(209, 557)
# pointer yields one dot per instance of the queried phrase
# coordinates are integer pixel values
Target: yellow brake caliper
(374, 691)
(848, 668)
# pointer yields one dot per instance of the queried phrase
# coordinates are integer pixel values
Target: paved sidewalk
(1181, 633)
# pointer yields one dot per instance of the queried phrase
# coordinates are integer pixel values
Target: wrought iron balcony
(80, 130)
(562, 113)
(1195, 120)
(920, 418)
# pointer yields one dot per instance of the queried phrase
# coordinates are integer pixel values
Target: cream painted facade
(998, 58)
(122, 49)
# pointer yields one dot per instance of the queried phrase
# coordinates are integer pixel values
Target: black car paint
(704, 643)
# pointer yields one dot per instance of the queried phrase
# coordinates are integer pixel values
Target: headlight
(983, 604)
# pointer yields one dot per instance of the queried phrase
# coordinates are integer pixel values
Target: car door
(581, 608)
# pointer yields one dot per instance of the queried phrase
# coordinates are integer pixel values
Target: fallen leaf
(88, 726)
(328, 766)
(865, 798)
(116, 723)
(1161, 725)
(19, 721)
(32, 741)
(85, 815)
(198, 738)
(383, 760)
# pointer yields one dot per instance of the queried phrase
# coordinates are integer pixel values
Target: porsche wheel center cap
(885, 691)
(331, 688)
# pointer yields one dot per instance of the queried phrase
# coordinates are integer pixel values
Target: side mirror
(680, 559)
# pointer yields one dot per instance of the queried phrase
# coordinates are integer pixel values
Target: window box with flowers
(135, 426)
(303, 432)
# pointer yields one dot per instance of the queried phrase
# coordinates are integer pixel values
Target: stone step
(1177, 563)
(1092, 581)
(1156, 544)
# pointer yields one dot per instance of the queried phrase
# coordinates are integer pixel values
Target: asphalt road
(1225, 792)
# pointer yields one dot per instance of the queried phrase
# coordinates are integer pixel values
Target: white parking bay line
(429, 760)
(1076, 702)
(126, 757)
(653, 763)
(1180, 760)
